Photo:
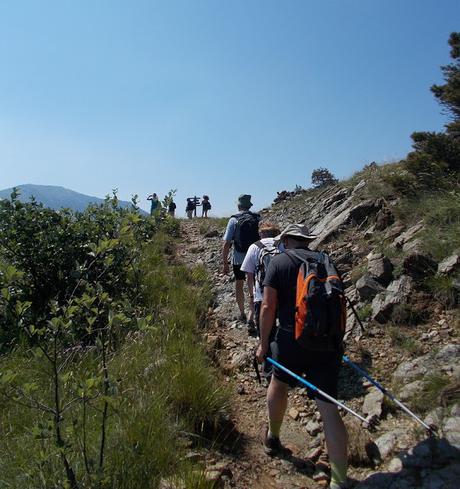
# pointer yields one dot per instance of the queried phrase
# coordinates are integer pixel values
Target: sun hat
(244, 200)
(300, 231)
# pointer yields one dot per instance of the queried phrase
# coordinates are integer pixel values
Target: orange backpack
(320, 316)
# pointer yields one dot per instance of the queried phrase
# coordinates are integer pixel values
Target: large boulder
(396, 293)
(341, 214)
(368, 288)
(380, 268)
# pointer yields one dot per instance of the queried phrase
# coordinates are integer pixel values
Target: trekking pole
(356, 315)
(388, 394)
(315, 389)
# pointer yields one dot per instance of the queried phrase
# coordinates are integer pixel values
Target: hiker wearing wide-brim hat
(320, 364)
(296, 231)
(242, 231)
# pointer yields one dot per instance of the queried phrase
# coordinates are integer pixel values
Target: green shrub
(443, 289)
(365, 312)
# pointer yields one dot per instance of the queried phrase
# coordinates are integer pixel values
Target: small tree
(322, 177)
(448, 94)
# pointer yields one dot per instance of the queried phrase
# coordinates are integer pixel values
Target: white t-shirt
(251, 261)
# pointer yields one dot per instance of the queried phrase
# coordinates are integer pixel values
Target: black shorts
(239, 275)
(321, 368)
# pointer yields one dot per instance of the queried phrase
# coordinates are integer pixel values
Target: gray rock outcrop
(396, 293)
(380, 268)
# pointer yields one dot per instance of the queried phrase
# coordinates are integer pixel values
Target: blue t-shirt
(238, 256)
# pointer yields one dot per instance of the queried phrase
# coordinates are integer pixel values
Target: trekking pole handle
(388, 394)
(315, 389)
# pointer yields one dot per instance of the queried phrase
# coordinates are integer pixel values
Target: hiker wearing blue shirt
(242, 230)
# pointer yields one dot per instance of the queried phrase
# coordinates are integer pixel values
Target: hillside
(405, 290)
(56, 197)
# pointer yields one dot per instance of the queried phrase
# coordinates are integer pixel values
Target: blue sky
(217, 97)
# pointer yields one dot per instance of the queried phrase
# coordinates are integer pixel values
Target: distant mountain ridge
(57, 197)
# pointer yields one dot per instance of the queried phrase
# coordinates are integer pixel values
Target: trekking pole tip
(433, 430)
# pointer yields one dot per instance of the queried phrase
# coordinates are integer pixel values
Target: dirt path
(231, 347)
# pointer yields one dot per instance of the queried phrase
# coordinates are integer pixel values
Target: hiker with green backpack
(242, 231)
(306, 290)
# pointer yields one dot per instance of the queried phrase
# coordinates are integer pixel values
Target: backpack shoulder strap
(259, 245)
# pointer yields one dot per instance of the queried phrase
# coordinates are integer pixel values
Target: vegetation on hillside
(101, 375)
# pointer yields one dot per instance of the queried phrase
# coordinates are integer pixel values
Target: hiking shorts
(320, 368)
(239, 275)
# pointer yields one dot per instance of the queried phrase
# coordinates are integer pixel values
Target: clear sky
(220, 97)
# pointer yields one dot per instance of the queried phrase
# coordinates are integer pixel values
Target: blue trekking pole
(387, 393)
(315, 389)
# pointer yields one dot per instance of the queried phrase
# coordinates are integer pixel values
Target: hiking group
(297, 309)
(190, 209)
(194, 202)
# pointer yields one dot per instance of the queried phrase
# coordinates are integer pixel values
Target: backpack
(246, 230)
(320, 316)
(266, 253)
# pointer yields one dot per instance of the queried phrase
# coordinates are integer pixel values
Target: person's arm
(150, 197)
(267, 319)
(251, 284)
(225, 252)
(228, 238)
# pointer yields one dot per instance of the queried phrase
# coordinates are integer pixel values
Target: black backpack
(246, 230)
(266, 253)
(320, 317)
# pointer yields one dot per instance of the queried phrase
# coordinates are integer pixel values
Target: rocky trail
(397, 454)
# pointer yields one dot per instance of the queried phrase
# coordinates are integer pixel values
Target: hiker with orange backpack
(304, 287)
(242, 230)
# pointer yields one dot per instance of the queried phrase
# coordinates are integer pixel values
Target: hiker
(191, 207)
(154, 204)
(318, 357)
(206, 206)
(172, 208)
(255, 265)
(242, 230)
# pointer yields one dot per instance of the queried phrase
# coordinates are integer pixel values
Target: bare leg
(239, 292)
(336, 439)
(277, 397)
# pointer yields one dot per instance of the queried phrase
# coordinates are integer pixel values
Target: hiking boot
(273, 446)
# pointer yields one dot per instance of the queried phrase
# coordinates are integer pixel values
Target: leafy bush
(102, 373)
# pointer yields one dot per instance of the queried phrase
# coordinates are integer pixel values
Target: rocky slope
(410, 344)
